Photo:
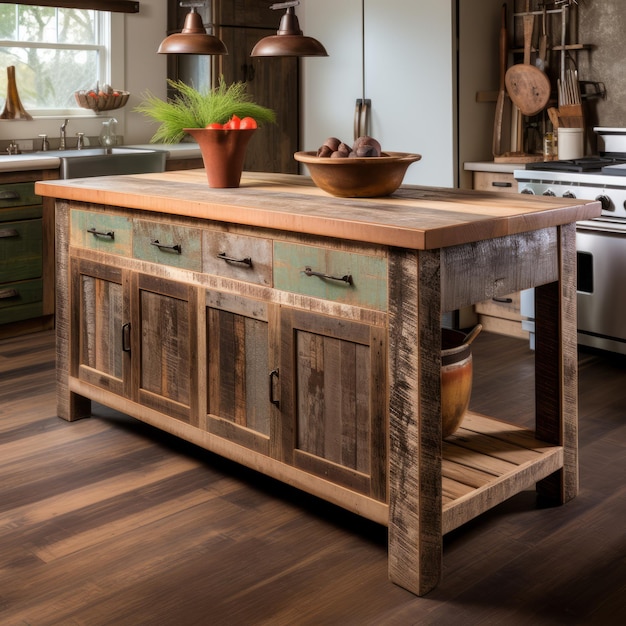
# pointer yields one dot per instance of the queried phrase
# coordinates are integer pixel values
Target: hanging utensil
(527, 85)
(498, 121)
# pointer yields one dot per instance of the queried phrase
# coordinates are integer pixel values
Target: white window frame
(112, 38)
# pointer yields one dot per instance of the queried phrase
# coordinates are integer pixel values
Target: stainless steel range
(600, 243)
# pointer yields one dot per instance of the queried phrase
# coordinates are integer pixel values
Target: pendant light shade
(289, 40)
(193, 39)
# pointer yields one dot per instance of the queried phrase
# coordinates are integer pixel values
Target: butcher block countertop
(413, 217)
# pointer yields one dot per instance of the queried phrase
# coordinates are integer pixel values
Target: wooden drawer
(18, 194)
(102, 232)
(21, 300)
(169, 244)
(495, 181)
(347, 277)
(238, 256)
(20, 250)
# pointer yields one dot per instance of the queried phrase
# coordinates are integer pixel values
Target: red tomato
(233, 123)
(248, 122)
(214, 125)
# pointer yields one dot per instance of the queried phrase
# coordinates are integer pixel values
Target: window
(55, 52)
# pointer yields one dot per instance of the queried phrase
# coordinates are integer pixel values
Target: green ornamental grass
(191, 108)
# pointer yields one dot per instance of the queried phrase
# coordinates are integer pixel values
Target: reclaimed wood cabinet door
(132, 334)
(240, 354)
(333, 399)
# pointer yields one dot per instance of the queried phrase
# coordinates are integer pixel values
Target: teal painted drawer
(101, 231)
(20, 250)
(169, 244)
(347, 277)
(18, 194)
(238, 256)
(21, 301)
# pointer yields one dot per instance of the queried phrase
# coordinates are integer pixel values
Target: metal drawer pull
(229, 259)
(273, 400)
(501, 183)
(5, 294)
(6, 233)
(9, 195)
(503, 300)
(99, 233)
(346, 279)
(126, 337)
(161, 246)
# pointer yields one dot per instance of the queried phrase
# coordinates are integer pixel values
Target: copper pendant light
(193, 39)
(289, 40)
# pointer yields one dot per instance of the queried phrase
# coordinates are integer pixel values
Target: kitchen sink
(108, 161)
(93, 161)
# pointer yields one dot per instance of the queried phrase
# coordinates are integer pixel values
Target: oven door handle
(603, 225)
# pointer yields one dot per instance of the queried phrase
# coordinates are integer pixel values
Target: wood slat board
(413, 217)
(489, 460)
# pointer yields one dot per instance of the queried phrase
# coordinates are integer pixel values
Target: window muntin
(55, 53)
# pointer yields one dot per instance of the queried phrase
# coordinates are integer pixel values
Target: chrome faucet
(62, 141)
(80, 142)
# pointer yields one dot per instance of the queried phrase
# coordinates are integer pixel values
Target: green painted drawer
(169, 244)
(18, 194)
(21, 301)
(101, 231)
(368, 274)
(20, 250)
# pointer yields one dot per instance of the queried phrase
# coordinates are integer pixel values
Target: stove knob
(528, 191)
(606, 203)
(569, 194)
(549, 192)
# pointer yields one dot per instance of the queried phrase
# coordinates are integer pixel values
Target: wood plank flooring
(108, 521)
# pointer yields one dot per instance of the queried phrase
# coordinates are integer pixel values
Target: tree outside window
(55, 53)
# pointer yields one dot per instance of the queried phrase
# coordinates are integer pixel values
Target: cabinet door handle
(9, 195)
(7, 233)
(229, 259)
(273, 375)
(346, 279)
(503, 300)
(162, 246)
(501, 183)
(126, 337)
(99, 233)
(5, 294)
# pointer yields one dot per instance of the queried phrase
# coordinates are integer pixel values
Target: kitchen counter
(299, 334)
(43, 161)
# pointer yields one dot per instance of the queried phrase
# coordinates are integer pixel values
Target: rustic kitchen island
(299, 334)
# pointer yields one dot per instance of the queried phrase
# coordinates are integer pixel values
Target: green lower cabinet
(21, 300)
(20, 250)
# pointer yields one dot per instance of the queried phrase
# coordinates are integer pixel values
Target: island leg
(70, 406)
(415, 525)
(556, 368)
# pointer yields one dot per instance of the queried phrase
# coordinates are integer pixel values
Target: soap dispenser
(108, 138)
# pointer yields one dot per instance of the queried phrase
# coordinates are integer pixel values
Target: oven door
(601, 284)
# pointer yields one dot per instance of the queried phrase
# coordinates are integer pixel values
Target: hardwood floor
(108, 521)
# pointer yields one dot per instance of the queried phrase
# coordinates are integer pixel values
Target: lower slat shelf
(487, 461)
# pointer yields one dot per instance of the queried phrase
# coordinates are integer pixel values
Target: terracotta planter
(456, 379)
(223, 153)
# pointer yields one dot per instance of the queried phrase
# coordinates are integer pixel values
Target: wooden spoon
(527, 85)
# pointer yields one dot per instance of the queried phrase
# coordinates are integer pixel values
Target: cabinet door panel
(99, 312)
(20, 250)
(165, 359)
(335, 400)
(238, 354)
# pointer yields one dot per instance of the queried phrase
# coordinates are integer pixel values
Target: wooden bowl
(359, 177)
(106, 102)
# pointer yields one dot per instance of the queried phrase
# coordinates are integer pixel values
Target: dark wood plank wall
(109, 521)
